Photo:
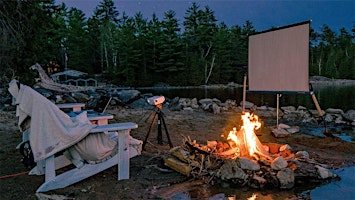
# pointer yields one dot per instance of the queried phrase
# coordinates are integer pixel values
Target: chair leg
(123, 155)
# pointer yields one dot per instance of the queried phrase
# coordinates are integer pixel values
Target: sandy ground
(147, 180)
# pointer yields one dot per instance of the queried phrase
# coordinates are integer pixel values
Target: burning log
(243, 160)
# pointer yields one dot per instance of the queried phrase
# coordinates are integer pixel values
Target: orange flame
(233, 136)
(250, 123)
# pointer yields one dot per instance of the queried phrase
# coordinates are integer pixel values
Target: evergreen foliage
(135, 51)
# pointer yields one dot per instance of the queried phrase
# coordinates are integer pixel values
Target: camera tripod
(157, 113)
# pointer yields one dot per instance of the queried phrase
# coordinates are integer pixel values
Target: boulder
(194, 103)
(257, 182)
(128, 96)
(334, 111)
(285, 147)
(263, 108)
(279, 132)
(293, 129)
(324, 173)
(284, 126)
(315, 113)
(248, 164)
(288, 109)
(349, 115)
(69, 99)
(80, 97)
(301, 108)
(248, 104)
(286, 177)
(302, 154)
(278, 163)
(215, 108)
(139, 103)
(230, 170)
(205, 101)
(175, 105)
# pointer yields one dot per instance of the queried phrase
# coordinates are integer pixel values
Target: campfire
(245, 141)
(240, 159)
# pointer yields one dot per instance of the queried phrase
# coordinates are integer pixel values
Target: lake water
(343, 189)
(342, 97)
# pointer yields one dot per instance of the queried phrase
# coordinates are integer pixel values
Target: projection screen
(278, 60)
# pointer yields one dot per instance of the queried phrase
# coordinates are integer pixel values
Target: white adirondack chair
(49, 165)
(127, 147)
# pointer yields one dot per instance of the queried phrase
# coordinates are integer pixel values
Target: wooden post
(320, 113)
(277, 110)
(244, 92)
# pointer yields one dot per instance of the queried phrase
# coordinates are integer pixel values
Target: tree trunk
(211, 68)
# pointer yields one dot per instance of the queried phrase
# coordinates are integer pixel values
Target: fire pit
(240, 159)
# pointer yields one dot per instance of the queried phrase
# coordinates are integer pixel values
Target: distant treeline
(135, 51)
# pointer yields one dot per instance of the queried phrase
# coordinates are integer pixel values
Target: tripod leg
(150, 130)
(166, 131)
(160, 136)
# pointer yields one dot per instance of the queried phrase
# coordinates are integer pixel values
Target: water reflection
(342, 97)
(343, 189)
(218, 193)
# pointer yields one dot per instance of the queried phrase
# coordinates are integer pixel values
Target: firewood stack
(217, 162)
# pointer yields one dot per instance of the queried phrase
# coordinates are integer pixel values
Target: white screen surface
(278, 59)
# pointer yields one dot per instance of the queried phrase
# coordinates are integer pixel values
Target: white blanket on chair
(51, 130)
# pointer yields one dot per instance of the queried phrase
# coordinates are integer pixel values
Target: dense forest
(135, 51)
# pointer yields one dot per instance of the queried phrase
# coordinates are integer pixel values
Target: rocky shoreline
(132, 98)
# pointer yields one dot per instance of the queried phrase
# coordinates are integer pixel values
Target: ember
(243, 160)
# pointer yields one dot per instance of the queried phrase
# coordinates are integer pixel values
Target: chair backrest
(102, 104)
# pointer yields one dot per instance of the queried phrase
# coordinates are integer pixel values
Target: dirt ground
(149, 178)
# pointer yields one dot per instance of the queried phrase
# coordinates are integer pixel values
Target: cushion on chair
(93, 147)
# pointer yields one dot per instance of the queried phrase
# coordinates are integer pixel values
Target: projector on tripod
(156, 100)
(158, 116)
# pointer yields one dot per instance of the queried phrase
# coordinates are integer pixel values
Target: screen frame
(287, 47)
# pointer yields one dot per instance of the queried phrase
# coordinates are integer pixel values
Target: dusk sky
(263, 14)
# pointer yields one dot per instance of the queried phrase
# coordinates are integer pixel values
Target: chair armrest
(114, 127)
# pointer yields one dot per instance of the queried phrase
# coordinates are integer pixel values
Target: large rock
(334, 111)
(139, 103)
(248, 104)
(217, 101)
(257, 182)
(128, 96)
(315, 113)
(324, 173)
(302, 154)
(293, 129)
(230, 170)
(350, 115)
(205, 102)
(194, 103)
(80, 97)
(248, 164)
(286, 177)
(175, 104)
(69, 99)
(279, 132)
(278, 163)
(215, 108)
(285, 147)
(288, 109)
